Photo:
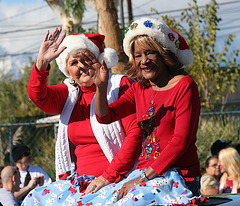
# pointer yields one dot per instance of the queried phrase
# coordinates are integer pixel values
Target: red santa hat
(160, 32)
(91, 42)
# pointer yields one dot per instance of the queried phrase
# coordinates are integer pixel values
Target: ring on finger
(50, 38)
(94, 187)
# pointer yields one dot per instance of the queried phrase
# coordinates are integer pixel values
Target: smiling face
(213, 168)
(151, 63)
(221, 166)
(77, 72)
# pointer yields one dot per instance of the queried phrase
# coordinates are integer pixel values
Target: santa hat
(160, 32)
(91, 42)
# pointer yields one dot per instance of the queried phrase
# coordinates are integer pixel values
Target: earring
(72, 81)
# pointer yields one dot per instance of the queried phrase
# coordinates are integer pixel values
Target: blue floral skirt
(168, 189)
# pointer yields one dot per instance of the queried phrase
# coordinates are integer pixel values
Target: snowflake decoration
(161, 28)
(148, 23)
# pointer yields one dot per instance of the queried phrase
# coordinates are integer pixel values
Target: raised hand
(101, 75)
(98, 71)
(49, 49)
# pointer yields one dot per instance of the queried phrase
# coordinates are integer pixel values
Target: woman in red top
(95, 147)
(166, 102)
(229, 162)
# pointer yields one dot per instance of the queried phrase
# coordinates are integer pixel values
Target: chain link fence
(40, 137)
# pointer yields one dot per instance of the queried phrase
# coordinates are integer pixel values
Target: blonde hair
(230, 160)
(148, 43)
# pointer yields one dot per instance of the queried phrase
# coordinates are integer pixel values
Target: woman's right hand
(49, 49)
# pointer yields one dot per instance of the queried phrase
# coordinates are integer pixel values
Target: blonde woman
(229, 162)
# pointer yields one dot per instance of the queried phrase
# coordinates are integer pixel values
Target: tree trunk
(67, 22)
(110, 28)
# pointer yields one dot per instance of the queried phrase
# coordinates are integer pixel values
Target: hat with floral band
(160, 32)
(91, 42)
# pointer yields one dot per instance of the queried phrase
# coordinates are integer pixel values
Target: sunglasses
(16, 171)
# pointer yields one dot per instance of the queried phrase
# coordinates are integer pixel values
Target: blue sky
(17, 1)
(23, 24)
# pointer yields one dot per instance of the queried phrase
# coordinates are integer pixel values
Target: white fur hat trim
(79, 42)
(160, 32)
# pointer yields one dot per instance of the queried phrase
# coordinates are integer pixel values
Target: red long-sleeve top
(176, 116)
(90, 157)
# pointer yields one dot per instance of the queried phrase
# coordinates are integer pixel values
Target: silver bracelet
(143, 177)
(134, 183)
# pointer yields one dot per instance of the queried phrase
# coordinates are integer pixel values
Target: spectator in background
(210, 179)
(31, 176)
(229, 162)
(219, 145)
(11, 180)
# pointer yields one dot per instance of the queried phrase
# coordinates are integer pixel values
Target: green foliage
(44, 154)
(75, 9)
(216, 74)
(39, 138)
(14, 101)
(6, 96)
(55, 75)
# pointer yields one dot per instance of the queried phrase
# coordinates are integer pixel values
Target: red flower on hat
(183, 44)
(171, 36)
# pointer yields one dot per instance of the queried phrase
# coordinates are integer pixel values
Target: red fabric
(90, 158)
(228, 187)
(176, 118)
(64, 176)
(183, 44)
(97, 39)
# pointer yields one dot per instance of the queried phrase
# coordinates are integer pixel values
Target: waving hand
(49, 49)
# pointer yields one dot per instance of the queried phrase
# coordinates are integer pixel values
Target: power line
(28, 25)
(25, 12)
(39, 28)
(30, 29)
(179, 10)
(90, 22)
(54, 26)
(18, 54)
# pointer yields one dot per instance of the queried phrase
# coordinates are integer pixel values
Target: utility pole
(130, 15)
(121, 13)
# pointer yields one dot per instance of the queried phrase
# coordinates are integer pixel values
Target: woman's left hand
(97, 184)
(126, 188)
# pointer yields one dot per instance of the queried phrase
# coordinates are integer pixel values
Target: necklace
(151, 107)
